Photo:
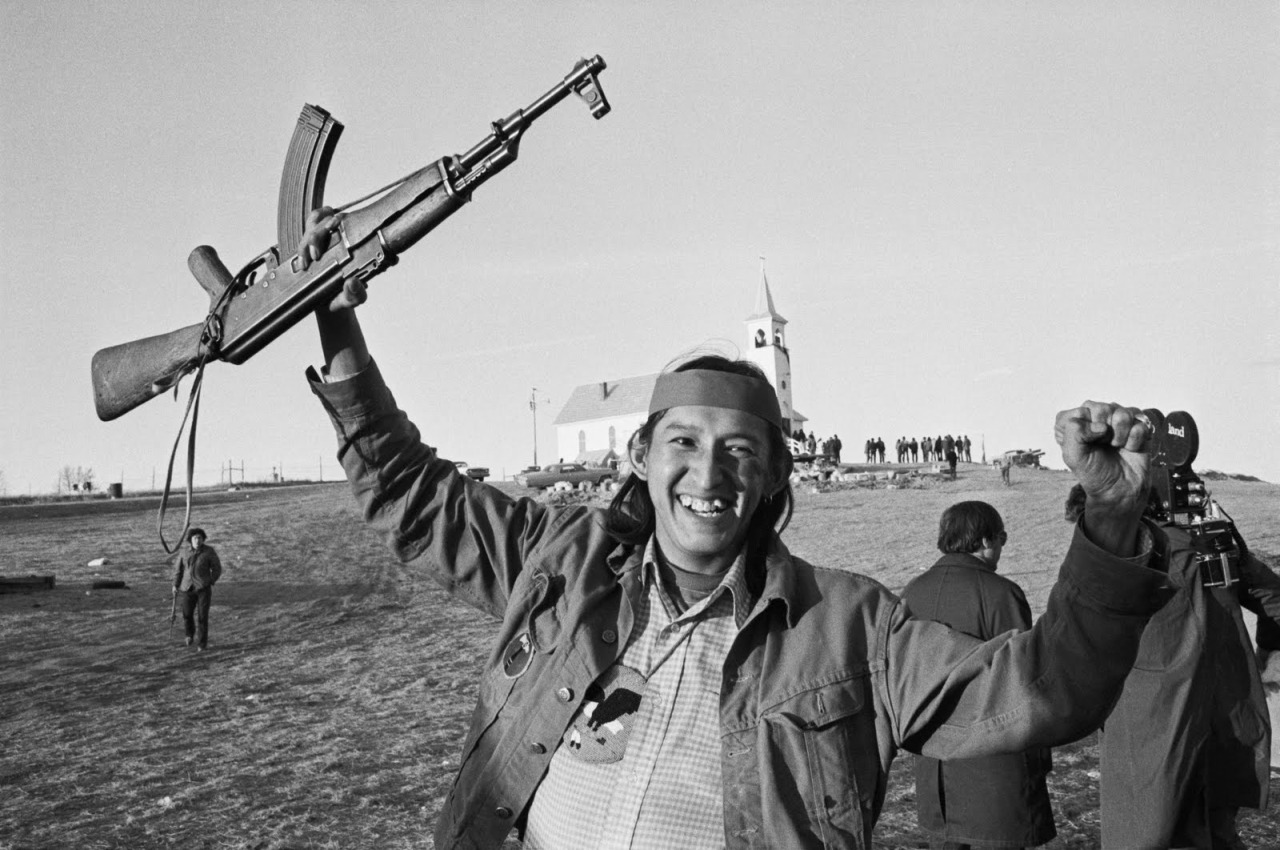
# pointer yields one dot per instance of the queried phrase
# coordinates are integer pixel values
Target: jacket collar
(779, 580)
(625, 557)
(779, 575)
(958, 559)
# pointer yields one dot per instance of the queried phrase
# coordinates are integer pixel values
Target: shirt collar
(734, 583)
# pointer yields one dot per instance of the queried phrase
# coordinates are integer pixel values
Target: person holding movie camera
(1188, 743)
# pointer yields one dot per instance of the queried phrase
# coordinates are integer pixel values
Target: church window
(613, 438)
(582, 441)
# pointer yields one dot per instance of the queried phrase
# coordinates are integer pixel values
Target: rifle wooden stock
(124, 376)
(273, 292)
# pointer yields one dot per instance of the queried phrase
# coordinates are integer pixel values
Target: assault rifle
(272, 292)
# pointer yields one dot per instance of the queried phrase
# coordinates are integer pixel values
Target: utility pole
(533, 406)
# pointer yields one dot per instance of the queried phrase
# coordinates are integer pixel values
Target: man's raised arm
(345, 352)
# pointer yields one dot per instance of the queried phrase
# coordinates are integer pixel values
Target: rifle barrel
(586, 69)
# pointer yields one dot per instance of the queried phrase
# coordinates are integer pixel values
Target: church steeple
(764, 300)
(767, 347)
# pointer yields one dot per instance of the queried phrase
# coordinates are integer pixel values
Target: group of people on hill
(811, 444)
(912, 450)
(666, 673)
(941, 449)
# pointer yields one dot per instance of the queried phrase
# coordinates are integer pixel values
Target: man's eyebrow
(677, 425)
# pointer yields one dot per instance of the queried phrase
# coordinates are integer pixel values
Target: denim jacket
(820, 688)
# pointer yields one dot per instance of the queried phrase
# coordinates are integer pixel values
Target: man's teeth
(701, 506)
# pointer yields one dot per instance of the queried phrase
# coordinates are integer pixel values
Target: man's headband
(716, 389)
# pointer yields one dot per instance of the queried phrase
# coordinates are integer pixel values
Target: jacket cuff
(355, 397)
(1111, 583)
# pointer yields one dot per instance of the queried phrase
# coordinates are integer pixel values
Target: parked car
(478, 473)
(572, 473)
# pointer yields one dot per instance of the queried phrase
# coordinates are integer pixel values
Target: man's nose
(709, 467)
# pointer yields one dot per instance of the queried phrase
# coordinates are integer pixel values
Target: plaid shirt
(661, 787)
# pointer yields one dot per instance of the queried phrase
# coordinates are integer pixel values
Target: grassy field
(331, 706)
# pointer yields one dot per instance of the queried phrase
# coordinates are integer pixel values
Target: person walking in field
(998, 801)
(665, 673)
(198, 571)
(1006, 466)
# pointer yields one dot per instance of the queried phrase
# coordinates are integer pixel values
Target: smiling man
(666, 674)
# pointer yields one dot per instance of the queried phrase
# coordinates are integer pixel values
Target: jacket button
(608, 636)
(502, 812)
(535, 747)
(564, 694)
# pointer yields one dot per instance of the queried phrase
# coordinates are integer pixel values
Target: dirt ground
(330, 708)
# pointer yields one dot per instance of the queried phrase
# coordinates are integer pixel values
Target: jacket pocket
(822, 744)
(530, 632)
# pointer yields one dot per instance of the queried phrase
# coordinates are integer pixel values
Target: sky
(973, 215)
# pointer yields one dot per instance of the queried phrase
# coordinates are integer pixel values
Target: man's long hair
(631, 518)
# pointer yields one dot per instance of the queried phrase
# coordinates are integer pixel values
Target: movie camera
(1180, 497)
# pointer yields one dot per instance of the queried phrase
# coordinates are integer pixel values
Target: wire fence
(230, 472)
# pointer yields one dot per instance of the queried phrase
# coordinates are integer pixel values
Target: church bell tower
(767, 348)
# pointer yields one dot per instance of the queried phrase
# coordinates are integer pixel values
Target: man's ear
(784, 471)
(639, 454)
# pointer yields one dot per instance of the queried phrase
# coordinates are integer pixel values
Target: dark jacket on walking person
(997, 801)
(197, 572)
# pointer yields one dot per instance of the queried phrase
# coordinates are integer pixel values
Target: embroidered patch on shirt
(600, 729)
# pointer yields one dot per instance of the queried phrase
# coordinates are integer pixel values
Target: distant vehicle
(477, 473)
(1024, 457)
(572, 473)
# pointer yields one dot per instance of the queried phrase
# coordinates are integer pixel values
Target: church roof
(764, 301)
(608, 399)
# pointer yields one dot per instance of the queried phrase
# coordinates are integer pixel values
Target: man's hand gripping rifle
(277, 289)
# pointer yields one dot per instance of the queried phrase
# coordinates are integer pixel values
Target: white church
(595, 423)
